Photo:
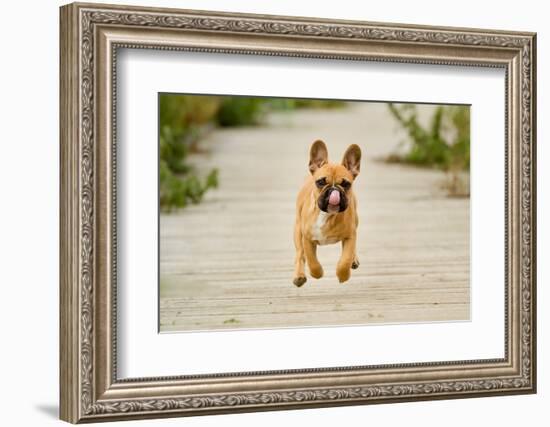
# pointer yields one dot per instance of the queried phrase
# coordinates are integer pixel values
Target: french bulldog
(326, 213)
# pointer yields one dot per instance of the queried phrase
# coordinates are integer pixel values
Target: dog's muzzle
(332, 200)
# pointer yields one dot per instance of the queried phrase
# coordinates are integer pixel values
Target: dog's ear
(318, 155)
(352, 159)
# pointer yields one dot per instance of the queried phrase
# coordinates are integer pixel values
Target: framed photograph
(265, 212)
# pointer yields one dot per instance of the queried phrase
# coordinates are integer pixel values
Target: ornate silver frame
(90, 36)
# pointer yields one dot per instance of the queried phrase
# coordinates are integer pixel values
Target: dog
(326, 213)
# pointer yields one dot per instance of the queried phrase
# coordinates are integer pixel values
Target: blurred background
(440, 141)
(230, 170)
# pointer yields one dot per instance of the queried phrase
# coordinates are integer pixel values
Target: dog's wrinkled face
(333, 182)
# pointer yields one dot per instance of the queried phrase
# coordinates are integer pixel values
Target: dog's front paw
(316, 271)
(299, 281)
(343, 272)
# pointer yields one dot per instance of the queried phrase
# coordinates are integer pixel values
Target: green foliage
(181, 121)
(172, 150)
(180, 190)
(240, 111)
(286, 104)
(444, 143)
(319, 103)
(282, 104)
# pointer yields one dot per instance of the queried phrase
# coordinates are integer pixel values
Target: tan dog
(326, 213)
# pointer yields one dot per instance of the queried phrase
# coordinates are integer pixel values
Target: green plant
(288, 104)
(240, 111)
(181, 119)
(319, 103)
(180, 190)
(444, 143)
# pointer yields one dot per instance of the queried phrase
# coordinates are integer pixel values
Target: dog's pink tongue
(334, 198)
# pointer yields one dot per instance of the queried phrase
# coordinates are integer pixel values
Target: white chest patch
(317, 233)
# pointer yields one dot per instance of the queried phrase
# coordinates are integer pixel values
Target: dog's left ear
(352, 159)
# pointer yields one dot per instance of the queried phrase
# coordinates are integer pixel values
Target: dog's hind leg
(299, 261)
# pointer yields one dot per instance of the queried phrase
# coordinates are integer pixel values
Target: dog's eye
(321, 182)
(345, 184)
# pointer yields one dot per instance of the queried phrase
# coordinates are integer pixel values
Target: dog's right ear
(318, 155)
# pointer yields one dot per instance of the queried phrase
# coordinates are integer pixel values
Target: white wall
(29, 170)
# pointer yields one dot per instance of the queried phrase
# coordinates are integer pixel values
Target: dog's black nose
(332, 200)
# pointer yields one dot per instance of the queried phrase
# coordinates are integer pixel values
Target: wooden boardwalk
(227, 263)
